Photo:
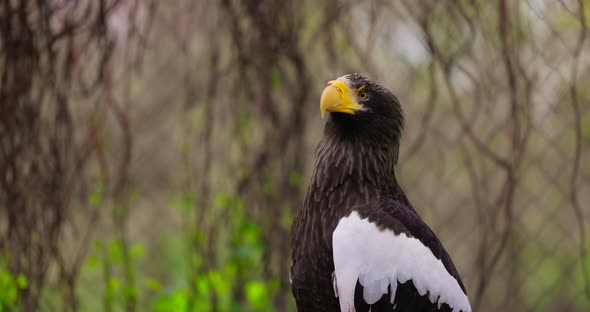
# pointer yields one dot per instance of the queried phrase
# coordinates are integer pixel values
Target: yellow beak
(338, 97)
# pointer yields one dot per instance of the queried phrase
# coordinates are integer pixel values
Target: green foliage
(551, 277)
(176, 300)
(10, 285)
(186, 202)
(258, 294)
(296, 178)
(116, 263)
(233, 285)
(269, 188)
(286, 219)
(96, 195)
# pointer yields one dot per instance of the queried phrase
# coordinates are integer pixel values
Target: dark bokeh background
(153, 153)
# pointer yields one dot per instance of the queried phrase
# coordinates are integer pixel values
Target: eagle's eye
(363, 96)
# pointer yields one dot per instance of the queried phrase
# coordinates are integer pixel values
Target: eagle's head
(362, 108)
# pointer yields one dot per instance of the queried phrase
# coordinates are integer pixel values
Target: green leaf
(135, 194)
(175, 301)
(220, 285)
(5, 279)
(202, 285)
(184, 148)
(286, 219)
(223, 200)
(137, 251)
(199, 237)
(93, 261)
(114, 284)
(250, 233)
(115, 251)
(21, 281)
(153, 284)
(130, 291)
(269, 188)
(184, 202)
(275, 77)
(120, 210)
(296, 178)
(257, 293)
(96, 196)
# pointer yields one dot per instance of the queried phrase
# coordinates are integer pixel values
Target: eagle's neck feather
(350, 172)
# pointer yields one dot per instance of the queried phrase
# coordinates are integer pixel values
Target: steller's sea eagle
(358, 244)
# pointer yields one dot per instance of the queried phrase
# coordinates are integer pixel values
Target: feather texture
(380, 258)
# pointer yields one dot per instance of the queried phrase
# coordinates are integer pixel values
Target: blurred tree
(153, 153)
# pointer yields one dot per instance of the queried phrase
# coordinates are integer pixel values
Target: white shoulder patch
(379, 258)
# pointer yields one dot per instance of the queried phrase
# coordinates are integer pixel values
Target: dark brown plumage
(354, 170)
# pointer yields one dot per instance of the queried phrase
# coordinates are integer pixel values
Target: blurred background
(153, 153)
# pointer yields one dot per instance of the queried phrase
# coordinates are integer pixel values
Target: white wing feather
(379, 258)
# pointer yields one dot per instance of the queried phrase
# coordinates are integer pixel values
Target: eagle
(357, 242)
